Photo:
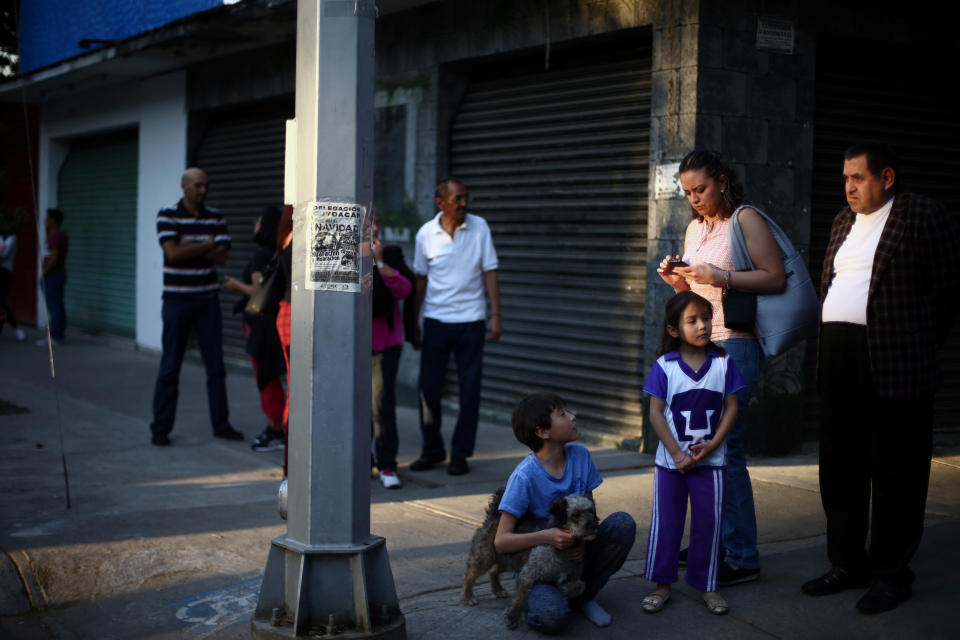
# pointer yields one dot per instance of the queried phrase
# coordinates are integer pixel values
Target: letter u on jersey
(696, 414)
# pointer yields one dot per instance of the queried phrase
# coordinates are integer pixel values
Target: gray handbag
(783, 319)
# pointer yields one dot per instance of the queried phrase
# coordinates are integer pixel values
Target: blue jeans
(53, 287)
(739, 535)
(180, 316)
(548, 609)
(6, 277)
(465, 341)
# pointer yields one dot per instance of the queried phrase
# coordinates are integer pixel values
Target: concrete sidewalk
(171, 542)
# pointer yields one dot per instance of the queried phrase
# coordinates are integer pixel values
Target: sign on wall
(775, 34)
(667, 181)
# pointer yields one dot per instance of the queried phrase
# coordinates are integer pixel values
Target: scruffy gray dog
(576, 514)
(484, 558)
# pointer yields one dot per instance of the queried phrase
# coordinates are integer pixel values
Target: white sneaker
(21, 336)
(389, 479)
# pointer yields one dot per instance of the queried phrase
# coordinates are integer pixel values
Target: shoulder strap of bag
(738, 245)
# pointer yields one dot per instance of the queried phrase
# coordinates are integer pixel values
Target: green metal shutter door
(243, 155)
(918, 119)
(557, 163)
(97, 192)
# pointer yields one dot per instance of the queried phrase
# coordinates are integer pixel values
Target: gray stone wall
(714, 89)
(673, 130)
(252, 76)
(757, 107)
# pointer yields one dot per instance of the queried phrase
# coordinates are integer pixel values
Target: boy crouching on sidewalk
(557, 468)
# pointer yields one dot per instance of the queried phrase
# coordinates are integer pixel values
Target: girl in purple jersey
(693, 405)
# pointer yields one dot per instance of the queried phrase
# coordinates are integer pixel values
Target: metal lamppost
(328, 575)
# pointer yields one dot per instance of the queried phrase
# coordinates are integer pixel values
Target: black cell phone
(677, 263)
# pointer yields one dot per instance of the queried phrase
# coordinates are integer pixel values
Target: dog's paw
(513, 621)
(470, 601)
(500, 592)
(574, 589)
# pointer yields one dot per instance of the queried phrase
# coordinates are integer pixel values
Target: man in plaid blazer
(888, 302)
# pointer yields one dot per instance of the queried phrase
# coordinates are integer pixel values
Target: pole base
(345, 591)
(395, 630)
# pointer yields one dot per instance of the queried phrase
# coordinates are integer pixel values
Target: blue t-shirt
(530, 489)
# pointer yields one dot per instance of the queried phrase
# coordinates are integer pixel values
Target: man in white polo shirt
(454, 259)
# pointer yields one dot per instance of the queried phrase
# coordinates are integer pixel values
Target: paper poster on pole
(333, 247)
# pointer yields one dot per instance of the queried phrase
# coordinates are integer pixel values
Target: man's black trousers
(870, 448)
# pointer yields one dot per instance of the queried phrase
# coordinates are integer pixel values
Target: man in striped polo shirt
(194, 239)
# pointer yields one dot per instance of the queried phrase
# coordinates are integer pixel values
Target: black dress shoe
(884, 595)
(228, 433)
(727, 576)
(458, 466)
(427, 461)
(160, 439)
(834, 581)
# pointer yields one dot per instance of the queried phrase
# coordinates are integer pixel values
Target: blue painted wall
(50, 29)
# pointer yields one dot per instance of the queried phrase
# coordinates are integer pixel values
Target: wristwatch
(380, 264)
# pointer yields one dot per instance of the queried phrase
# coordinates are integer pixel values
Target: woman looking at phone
(715, 192)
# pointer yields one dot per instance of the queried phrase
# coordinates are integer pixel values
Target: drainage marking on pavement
(206, 611)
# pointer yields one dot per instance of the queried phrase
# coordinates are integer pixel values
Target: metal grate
(243, 155)
(557, 163)
(97, 192)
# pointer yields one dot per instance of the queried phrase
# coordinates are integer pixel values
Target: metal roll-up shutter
(557, 164)
(97, 192)
(243, 155)
(900, 105)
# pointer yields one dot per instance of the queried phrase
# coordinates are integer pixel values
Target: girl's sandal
(716, 605)
(654, 602)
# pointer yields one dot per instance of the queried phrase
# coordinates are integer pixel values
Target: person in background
(263, 342)
(8, 254)
(194, 239)
(390, 285)
(55, 276)
(454, 262)
(285, 269)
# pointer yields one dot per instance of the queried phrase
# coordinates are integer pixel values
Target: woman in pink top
(389, 286)
(714, 191)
